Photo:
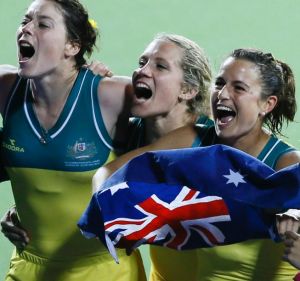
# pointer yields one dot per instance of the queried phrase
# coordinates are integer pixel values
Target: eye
(219, 84)
(24, 21)
(43, 25)
(142, 62)
(239, 88)
(161, 66)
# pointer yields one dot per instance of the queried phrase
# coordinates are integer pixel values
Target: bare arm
(9, 222)
(288, 159)
(115, 95)
(180, 138)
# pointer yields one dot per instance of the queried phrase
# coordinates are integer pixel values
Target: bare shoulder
(7, 72)
(116, 85)
(114, 92)
(114, 96)
(288, 159)
(182, 137)
(8, 68)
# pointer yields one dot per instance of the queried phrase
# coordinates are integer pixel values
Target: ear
(269, 105)
(72, 49)
(187, 93)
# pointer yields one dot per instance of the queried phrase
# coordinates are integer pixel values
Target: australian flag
(190, 198)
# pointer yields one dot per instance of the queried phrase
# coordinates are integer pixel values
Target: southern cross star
(234, 177)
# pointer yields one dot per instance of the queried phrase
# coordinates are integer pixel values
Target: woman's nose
(223, 93)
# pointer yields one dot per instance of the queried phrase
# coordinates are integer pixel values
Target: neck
(50, 94)
(52, 89)
(252, 143)
(159, 126)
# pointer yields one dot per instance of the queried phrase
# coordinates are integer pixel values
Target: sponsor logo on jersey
(11, 145)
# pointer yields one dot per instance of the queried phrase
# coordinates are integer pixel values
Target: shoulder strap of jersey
(205, 135)
(273, 150)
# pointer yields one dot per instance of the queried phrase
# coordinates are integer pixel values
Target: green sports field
(127, 26)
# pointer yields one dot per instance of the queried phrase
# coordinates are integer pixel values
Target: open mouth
(142, 91)
(26, 51)
(224, 114)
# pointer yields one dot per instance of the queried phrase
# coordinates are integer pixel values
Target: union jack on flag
(190, 198)
(172, 222)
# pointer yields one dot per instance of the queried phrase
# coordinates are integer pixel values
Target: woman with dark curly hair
(59, 125)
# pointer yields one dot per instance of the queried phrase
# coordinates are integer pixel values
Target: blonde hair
(196, 71)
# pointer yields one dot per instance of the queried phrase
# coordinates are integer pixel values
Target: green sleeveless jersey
(51, 171)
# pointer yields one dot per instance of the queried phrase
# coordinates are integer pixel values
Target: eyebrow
(143, 57)
(156, 59)
(43, 17)
(220, 78)
(40, 17)
(241, 82)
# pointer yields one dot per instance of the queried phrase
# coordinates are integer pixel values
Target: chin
(23, 73)
(223, 133)
(139, 114)
(137, 111)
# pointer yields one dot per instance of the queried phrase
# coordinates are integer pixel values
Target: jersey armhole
(97, 115)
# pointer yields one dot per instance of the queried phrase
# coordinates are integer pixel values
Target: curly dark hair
(79, 28)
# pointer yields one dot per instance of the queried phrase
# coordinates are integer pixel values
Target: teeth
(142, 85)
(222, 107)
(24, 44)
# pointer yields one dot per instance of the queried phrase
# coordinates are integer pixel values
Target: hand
(288, 221)
(292, 250)
(12, 229)
(99, 68)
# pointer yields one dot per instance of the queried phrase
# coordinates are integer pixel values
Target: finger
(295, 226)
(14, 238)
(100, 68)
(9, 227)
(288, 242)
(286, 224)
(16, 235)
(5, 218)
(289, 225)
(92, 68)
(20, 246)
(292, 235)
(17, 241)
(10, 230)
(109, 73)
(281, 227)
(96, 64)
(14, 218)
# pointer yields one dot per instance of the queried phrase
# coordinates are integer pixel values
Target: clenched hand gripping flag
(190, 198)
